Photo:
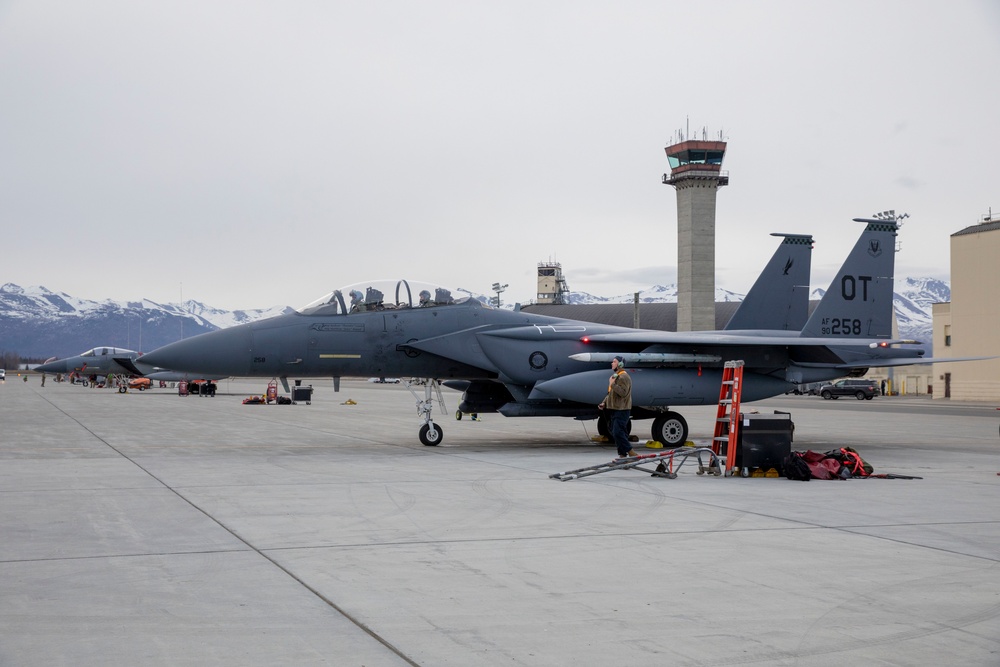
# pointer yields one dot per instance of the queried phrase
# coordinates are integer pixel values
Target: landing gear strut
(430, 434)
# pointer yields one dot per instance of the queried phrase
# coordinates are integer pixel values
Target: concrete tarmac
(152, 529)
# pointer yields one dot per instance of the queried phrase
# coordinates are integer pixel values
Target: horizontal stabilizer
(904, 361)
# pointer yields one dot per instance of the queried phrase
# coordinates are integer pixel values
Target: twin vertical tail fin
(858, 303)
(779, 300)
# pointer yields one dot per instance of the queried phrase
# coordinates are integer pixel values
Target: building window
(947, 335)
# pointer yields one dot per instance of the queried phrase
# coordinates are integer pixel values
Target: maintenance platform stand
(696, 174)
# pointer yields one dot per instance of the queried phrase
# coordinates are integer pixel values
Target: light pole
(498, 288)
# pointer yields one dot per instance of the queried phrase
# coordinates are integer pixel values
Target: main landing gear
(430, 433)
(670, 429)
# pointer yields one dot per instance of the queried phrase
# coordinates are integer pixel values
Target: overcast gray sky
(263, 153)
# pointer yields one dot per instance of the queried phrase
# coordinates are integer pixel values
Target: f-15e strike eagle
(521, 364)
(114, 361)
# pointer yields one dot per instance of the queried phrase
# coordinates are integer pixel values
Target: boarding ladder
(727, 426)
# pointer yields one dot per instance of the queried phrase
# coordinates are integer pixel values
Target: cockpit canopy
(104, 351)
(384, 295)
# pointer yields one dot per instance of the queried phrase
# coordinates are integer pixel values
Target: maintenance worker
(618, 404)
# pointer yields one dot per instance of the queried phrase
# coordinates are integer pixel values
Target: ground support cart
(667, 463)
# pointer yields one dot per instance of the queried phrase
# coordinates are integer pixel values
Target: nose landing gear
(430, 433)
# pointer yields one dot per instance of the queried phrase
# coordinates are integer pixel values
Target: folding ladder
(727, 426)
(668, 463)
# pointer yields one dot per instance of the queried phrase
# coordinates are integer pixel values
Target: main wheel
(431, 434)
(602, 427)
(670, 429)
(860, 395)
(826, 395)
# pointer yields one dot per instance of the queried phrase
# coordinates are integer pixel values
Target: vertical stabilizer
(858, 303)
(779, 300)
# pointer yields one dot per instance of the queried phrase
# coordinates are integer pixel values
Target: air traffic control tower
(696, 173)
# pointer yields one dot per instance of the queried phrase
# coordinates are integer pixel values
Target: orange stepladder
(727, 417)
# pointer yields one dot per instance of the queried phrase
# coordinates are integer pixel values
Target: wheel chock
(350, 401)
(654, 444)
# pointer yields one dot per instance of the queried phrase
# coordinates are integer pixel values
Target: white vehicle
(3, 375)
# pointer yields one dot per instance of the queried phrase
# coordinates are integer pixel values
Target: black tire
(458, 415)
(860, 395)
(868, 398)
(122, 389)
(670, 429)
(826, 395)
(431, 438)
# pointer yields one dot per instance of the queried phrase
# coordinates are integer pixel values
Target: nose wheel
(430, 434)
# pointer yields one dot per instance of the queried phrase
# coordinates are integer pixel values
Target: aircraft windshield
(383, 295)
(102, 351)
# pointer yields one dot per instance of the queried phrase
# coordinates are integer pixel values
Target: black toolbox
(765, 440)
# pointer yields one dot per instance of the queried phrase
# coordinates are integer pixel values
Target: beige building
(969, 326)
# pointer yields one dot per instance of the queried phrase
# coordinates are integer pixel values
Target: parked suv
(860, 389)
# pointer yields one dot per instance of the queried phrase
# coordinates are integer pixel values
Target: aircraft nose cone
(225, 352)
(57, 366)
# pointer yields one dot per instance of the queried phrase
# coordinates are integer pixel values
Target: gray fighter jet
(116, 361)
(521, 364)
(98, 361)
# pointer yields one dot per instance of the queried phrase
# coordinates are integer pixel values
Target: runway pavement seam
(537, 538)
(135, 555)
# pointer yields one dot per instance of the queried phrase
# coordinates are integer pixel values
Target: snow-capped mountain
(912, 300)
(654, 294)
(37, 322)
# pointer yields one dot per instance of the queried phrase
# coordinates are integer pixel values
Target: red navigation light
(585, 339)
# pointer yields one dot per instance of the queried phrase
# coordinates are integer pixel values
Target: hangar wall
(970, 324)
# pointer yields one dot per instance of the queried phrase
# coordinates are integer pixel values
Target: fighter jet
(104, 360)
(522, 364)
(116, 361)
